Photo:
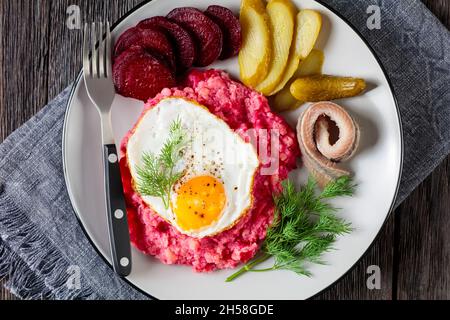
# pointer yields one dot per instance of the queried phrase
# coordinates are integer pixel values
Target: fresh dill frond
(170, 152)
(305, 226)
(157, 174)
(342, 186)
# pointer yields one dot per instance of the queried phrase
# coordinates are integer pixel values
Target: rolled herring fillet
(320, 155)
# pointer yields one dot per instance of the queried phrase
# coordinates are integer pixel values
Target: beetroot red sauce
(242, 109)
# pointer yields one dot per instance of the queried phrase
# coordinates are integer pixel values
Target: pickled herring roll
(327, 134)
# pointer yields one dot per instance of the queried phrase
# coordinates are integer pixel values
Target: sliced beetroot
(206, 33)
(231, 29)
(127, 39)
(184, 44)
(140, 75)
(153, 40)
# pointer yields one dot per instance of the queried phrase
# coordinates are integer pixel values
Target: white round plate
(377, 167)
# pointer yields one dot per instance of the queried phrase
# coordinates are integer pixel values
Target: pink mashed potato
(242, 109)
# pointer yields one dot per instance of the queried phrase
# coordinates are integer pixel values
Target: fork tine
(94, 56)
(108, 70)
(101, 52)
(86, 60)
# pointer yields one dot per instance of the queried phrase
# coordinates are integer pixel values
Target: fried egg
(217, 167)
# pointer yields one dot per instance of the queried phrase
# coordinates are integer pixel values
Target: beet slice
(153, 40)
(140, 75)
(183, 42)
(231, 29)
(127, 39)
(206, 33)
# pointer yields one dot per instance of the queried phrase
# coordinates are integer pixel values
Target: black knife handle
(119, 237)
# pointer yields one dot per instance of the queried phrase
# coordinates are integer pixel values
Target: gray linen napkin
(41, 243)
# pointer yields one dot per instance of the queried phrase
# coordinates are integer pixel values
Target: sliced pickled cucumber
(308, 25)
(284, 101)
(325, 87)
(312, 65)
(282, 22)
(256, 51)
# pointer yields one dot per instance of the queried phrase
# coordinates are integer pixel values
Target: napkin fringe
(21, 281)
(29, 261)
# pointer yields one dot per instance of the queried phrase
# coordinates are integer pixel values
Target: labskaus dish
(221, 205)
(205, 168)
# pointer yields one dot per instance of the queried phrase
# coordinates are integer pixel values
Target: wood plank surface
(24, 38)
(63, 40)
(413, 248)
(24, 46)
(422, 248)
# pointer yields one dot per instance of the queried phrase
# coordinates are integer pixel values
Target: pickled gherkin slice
(325, 87)
(312, 65)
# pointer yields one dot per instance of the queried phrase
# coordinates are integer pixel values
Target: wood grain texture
(63, 40)
(25, 61)
(24, 65)
(441, 9)
(4, 293)
(422, 246)
(413, 248)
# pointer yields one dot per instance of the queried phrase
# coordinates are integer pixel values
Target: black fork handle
(119, 236)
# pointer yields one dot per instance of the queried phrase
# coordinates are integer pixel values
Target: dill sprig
(305, 226)
(157, 174)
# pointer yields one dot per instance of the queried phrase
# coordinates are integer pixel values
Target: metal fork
(97, 74)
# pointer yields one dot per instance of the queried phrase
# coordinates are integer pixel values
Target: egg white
(214, 149)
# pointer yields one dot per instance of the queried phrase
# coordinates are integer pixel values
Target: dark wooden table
(40, 56)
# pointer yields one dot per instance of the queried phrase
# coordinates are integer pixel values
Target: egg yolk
(199, 203)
